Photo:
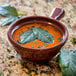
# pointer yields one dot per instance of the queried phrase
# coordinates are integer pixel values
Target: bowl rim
(59, 44)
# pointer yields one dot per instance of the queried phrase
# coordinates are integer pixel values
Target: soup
(37, 36)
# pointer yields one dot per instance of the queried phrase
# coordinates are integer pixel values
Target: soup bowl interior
(37, 54)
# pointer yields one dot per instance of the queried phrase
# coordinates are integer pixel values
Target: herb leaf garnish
(10, 12)
(27, 37)
(43, 35)
(36, 33)
(67, 62)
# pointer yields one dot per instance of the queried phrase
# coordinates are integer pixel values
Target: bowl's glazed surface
(38, 54)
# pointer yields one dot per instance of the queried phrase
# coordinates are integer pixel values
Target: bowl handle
(57, 13)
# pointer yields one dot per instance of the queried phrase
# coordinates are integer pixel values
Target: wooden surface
(12, 67)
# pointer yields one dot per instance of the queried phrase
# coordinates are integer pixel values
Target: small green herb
(43, 25)
(18, 36)
(19, 33)
(23, 63)
(68, 21)
(47, 28)
(17, 41)
(32, 46)
(8, 50)
(10, 61)
(59, 39)
(36, 72)
(74, 40)
(22, 30)
(55, 29)
(45, 44)
(4, 69)
(10, 57)
(39, 47)
(42, 46)
(34, 64)
(17, 62)
(28, 28)
(9, 65)
(9, 71)
(29, 72)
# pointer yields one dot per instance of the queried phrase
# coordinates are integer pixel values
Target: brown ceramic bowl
(39, 54)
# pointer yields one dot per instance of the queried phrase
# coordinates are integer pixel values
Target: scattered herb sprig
(10, 12)
(8, 50)
(74, 40)
(10, 57)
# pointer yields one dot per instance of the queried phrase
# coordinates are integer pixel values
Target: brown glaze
(38, 54)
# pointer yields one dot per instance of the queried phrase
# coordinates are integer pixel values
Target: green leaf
(9, 20)
(67, 62)
(36, 33)
(8, 10)
(43, 35)
(27, 37)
